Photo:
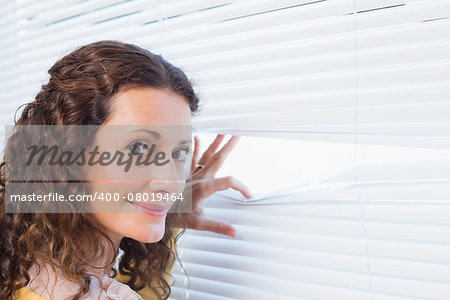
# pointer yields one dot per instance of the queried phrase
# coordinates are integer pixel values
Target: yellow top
(27, 294)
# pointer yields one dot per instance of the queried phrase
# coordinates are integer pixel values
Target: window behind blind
(358, 90)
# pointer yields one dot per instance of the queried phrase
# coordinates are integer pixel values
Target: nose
(167, 180)
(170, 186)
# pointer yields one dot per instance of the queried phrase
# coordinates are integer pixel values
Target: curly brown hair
(79, 92)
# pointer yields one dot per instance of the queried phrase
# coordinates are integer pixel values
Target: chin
(150, 233)
(141, 227)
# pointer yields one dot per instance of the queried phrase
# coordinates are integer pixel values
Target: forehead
(149, 106)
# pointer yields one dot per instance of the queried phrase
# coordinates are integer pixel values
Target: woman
(109, 83)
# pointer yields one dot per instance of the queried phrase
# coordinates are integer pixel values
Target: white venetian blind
(353, 97)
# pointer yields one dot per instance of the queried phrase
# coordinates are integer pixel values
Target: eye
(138, 147)
(181, 154)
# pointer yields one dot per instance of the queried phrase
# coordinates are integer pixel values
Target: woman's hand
(204, 184)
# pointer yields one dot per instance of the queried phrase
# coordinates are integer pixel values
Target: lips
(150, 208)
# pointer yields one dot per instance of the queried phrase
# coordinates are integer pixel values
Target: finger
(219, 158)
(211, 149)
(195, 155)
(220, 227)
(224, 183)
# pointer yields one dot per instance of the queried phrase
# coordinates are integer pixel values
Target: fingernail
(231, 233)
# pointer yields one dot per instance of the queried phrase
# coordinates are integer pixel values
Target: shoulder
(116, 290)
(46, 285)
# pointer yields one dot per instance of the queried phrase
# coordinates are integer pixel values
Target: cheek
(120, 222)
(111, 197)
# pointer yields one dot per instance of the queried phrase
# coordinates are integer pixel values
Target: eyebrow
(157, 136)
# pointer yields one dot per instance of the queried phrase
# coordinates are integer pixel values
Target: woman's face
(140, 113)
